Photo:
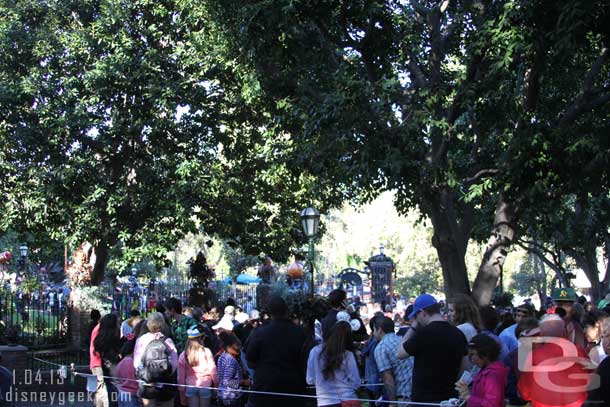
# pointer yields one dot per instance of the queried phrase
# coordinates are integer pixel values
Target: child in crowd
(490, 381)
(126, 372)
(230, 373)
(196, 367)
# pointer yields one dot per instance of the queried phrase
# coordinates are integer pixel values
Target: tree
(578, 228)
(455, 105)
(531, 278)
(114, 130)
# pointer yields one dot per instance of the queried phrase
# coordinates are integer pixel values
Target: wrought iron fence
(124, 302)
(238, 292)
(35, 323)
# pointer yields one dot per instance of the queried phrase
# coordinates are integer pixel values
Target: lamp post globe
(23, 250)
(310, 220)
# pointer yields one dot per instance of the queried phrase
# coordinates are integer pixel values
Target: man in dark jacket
(338, 301)
(274, 352)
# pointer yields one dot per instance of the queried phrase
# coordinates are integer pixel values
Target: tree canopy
(120, 127)
(128, 122)
(472, 111)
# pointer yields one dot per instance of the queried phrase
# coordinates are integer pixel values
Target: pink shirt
(95, 359)
(126, 370)
(203, 374)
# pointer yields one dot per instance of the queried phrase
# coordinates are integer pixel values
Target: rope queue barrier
(443, 404)
(60, 365)
(63, 371)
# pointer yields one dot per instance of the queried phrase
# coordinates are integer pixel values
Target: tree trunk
(495, 253)
(587, 261)
(100, 259)
(450, 240)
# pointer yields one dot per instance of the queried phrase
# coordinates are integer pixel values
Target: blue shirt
(402, 369)
(229, 376)
(508, 337)
(342, 386)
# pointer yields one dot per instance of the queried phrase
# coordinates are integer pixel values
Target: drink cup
(466, 377)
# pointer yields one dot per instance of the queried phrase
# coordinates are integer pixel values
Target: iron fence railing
(34, 322)
(238, 292)
(124, 302)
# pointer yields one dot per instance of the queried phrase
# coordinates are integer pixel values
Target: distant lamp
(310, 219)
(23, 250)
(134, 271)
(381, 250)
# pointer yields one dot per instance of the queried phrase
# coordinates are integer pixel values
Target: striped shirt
(229, 376)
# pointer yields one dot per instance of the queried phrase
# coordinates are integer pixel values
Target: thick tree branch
(595, 69)
(436, 45)
(580, 106)
(417, 74)
(590, 98)
(330, 37)
(420, 9)
(540, 253)
(465, 226)
(448, 32)
(485, 173)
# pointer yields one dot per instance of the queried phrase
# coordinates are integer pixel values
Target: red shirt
(94, 357)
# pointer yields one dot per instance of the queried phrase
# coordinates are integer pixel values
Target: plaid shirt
(402, 370)
(179, 332)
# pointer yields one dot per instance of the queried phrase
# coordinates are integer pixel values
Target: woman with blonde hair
(196, 367)
(464, 314)
(154, 344)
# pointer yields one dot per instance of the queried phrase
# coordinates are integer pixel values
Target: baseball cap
(193, 333)
(564, 294)
(421, 302)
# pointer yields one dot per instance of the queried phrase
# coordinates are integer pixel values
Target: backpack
(155, 365)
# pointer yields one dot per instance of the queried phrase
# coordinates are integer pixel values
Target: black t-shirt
(438, 349)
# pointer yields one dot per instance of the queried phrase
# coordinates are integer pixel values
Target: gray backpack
(156, 366)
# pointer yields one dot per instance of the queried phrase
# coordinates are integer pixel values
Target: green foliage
(30, 283)
(132, 123)
(451, 108)
(89, 298)
(115, 109)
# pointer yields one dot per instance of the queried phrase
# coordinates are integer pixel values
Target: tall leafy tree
(456, 105)
(115, 129)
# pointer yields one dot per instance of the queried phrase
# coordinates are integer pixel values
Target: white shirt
(468, 330)
(340, 387)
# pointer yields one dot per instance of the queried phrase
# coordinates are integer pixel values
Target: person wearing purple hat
(439, 351)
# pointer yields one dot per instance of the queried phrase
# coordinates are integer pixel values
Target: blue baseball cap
(421, 302)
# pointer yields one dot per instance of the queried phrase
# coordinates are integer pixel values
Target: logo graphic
(563, 356)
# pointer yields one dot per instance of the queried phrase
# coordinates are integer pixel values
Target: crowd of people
(341, 354)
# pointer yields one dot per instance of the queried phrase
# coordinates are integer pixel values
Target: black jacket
(275, 353)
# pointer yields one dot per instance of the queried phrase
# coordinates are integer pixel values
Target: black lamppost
(310, 220)
(23, 251)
